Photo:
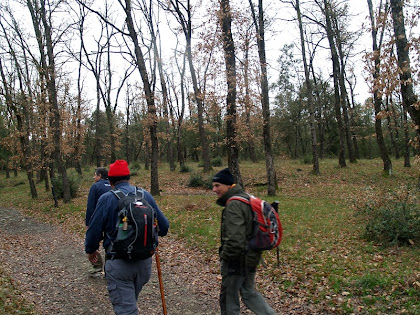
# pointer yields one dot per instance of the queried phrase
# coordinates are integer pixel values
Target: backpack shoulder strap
(139, 190)
(240, 198)
(118, 193)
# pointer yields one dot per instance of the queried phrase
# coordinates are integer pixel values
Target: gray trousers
(232, 285)
(125, 279)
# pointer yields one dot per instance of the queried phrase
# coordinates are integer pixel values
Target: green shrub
(395, 219)
(185, 168)
(196, 180)
(217, 161)
(307, 159)
(136, 166)
(208, 183)
(74, 181)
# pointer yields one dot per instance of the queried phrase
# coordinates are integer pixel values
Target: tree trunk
(377, 98)
(176, 7)
(410, 101)
(198, 95)
(181, 159)
(127, 129)
(50, 75)
(318, 114)
(169, 150)
(231, 116)
(97, 146)
(343, 94)
(406, 140)
(271, 171)
(352, 113)
(308, 83)
(151, 108)
(107, 100)
(247, 105)
(336, 77)
(392, 126)
(78, 142)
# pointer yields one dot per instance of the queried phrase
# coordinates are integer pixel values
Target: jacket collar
(235, 190)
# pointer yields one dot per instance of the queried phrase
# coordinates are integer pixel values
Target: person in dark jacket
(125, 277)
(101, 186)
(238, 263)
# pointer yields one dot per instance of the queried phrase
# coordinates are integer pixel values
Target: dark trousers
(243, 283)
(125, 279)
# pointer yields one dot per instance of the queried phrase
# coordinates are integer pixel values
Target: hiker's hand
(93, 257)
(235, 267)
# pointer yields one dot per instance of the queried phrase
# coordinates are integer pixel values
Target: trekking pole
(162, 295)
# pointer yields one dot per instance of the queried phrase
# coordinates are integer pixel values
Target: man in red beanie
(237, 263)
(125, 277)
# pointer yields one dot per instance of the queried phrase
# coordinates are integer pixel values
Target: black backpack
(137, 228)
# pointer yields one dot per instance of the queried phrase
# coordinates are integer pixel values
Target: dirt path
(50, 267)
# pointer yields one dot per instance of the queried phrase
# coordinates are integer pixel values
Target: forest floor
(49, 266)
(325, 266)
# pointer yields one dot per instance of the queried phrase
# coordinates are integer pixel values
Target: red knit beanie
(118, 168)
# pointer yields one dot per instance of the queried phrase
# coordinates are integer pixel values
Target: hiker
(125, 277)
(238, 264)
(99, 187)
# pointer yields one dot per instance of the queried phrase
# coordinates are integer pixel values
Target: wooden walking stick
(162, 295)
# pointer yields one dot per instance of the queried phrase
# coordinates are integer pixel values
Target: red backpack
(267, 229)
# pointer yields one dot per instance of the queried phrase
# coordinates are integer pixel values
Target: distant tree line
(96, 84)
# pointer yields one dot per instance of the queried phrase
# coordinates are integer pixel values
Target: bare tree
(180, 108)
(43, 31)
(336, 76)
(409, 98)
(21, 115)
(101, 68)
(309, 88)
(340, 39)
(95, 67)
(147, 11)
(229, 50)
(183, 15)
(269, 161)
(247, 100)
(376, 92)
(150, 98)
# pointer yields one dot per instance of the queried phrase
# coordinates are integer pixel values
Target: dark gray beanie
(224, 177)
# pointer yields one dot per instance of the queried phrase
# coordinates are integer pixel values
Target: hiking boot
(97, 275)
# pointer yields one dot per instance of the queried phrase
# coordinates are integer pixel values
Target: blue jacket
(104, 219)
(95, 191)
